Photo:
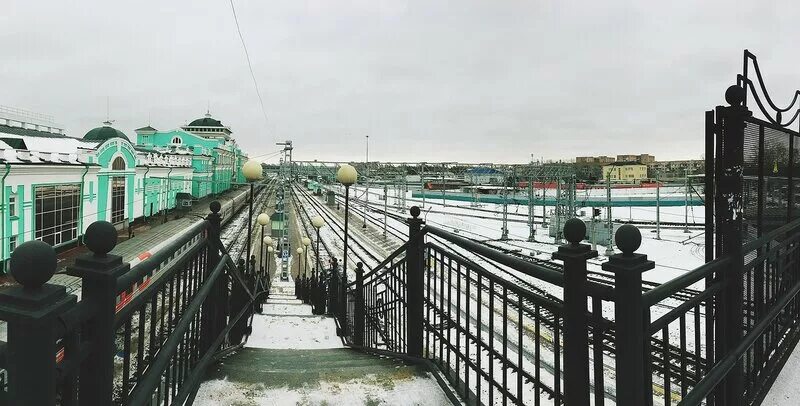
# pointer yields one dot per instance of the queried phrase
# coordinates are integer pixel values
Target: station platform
(146, 235)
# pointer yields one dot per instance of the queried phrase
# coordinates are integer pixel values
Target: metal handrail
(666, 289)
(760, 241)
(142, 393)
(719, 371)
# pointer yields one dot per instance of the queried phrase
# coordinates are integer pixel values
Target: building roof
(104, 133)
(206, 121)
(483, 171)
(7, 129)
(145, 129)
(624, 163)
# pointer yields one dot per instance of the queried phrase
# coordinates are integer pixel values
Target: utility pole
(658, 206)
(686, 201)
(366, 194)
(444, 203)
(422, 183)
(544, 202)
(558, 211)
(385, 207)
(504, 235)
(531, 225)
(610, 225)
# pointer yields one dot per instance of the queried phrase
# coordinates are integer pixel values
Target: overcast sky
(471, 81)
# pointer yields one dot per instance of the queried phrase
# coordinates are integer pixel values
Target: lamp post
(366, 194)
(306, 242)
(347, 176)
(317, 222)
(269, 256)
(268, 242)
(262, 220)
(304, 285)
(252, 171)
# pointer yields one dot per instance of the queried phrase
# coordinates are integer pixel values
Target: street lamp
(262, 220)
(268, 242)
(252, 171)
(306, 243)
(317, 222)
(305, 281)
(347, 176)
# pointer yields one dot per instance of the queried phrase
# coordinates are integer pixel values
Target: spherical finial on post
(628, 239)
(415, 211)
(574, 231)
(306, 241)
(317, 222)
(101, 237)
(33, 263)
(734, 95)
(262, 219)
(215, 206)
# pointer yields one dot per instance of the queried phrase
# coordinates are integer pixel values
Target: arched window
(118, 164)
(176, 140)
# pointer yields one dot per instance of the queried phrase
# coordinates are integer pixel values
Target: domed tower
(208, 127)
(106, 132)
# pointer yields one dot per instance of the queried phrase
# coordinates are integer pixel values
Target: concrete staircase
(294, 357)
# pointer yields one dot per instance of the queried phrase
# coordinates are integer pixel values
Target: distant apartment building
(628, 172)
(641, 158)
(676, 168)
(594, 160)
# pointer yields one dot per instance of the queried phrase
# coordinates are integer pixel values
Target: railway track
(523, 217)
(546, 318)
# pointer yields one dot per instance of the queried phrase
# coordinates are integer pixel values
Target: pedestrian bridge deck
(295, 357)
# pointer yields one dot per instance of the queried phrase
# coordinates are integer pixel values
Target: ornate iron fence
(137, 336)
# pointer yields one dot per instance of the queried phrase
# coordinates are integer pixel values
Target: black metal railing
(140, 335)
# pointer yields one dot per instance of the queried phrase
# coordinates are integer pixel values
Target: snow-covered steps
(283, 309)
(338, 376)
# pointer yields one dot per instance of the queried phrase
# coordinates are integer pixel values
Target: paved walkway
(295, 358)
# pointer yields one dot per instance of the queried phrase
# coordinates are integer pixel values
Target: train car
(227, 210)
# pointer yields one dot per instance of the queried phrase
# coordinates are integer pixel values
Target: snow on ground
(293, 332)
(369, 390)
(785, 390)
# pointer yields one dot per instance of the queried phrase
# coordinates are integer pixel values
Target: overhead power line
(249, 64)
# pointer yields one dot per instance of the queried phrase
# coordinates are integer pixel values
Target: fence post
(31, 311)
(214, 316)
(415, 285)
(629, 315)
(728, 215)
(576, 328)
(358, 316)
(343, 302)
(99, 272)
(333, 287)
(238, 302)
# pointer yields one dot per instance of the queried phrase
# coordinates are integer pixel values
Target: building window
(176, 140)
(118, 164)
(12, 205)
(12, 243)
(56, 211)
(117, 199)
